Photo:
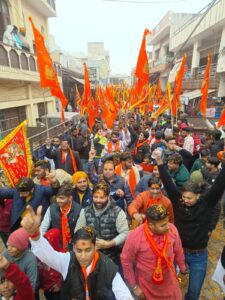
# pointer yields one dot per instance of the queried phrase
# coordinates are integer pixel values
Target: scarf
(157, 276)
(66, 235)
(117, 147)
(139, 144)
(84, 271)
(45, 182)
(63, 160)
(131, 179)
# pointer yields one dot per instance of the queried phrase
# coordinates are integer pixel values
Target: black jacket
(99, 281)
(193, 222)
(56, 155)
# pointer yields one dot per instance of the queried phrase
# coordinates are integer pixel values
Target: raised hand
(31, 222)
(92, 154)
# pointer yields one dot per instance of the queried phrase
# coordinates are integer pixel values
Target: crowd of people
(115, 214)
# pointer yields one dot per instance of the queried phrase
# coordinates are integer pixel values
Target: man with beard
(119, 188)
(82, 193)
(115, 145)
(108, 220)
(148, 257)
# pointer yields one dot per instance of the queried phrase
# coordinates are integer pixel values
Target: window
(4, 17)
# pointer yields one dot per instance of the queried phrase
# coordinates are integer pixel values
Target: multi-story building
(20, 94)
(208, 36)
(162, 56)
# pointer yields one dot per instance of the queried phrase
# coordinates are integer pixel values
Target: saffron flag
(87, 88)
(142, 67)
(48, 76)
(177, 87)
(221, 120)
(78, 98)
(15, 155)
(205, 87)
(159, 92)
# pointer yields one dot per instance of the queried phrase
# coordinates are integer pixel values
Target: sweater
(192, 222)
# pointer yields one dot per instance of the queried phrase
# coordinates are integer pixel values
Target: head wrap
(19, 239)
(78, 175)
(197, 177)
(220, 155)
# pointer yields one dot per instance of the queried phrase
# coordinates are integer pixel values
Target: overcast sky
(119, 25)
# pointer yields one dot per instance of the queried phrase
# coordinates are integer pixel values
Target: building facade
(20, 94)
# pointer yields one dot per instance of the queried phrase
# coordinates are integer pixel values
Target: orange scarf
(138, 146)
(132, 178)
(72, 158)
(117, 147)
(157, 275)
(66, 235)
(45, 182)
(94, 263)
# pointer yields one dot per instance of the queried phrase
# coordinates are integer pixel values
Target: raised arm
(41, 247)
(216, 191)
(172, 192)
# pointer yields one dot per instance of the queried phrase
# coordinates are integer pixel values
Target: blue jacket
(87, 199)
(40, 196)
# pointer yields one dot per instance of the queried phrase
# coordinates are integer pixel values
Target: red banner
(15, 155)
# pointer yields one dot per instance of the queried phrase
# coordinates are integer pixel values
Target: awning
(194, 94)
(80, 80)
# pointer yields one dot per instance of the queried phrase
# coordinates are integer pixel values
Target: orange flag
(177, 87)
(159, 92)
(87, 88)
(78, 97)
(48, 76)
(112, 108)
(221, 120)
(205, 87)
(142, 67)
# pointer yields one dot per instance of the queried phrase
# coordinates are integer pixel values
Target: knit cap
(19, 239)
(197, 177)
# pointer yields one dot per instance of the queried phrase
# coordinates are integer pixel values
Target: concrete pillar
(221, 66)
(195, 55)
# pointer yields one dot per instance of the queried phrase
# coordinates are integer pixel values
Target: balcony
(161, 30)
(44, 7)
(17, 64)
(160, 65)
(194, 81)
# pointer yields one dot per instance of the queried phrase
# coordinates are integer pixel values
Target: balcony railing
(20, 62)
(160, 65)
(194, 80)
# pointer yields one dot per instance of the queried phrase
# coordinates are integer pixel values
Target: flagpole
(46, 118)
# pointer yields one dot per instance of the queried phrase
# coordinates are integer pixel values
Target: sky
(120, 25)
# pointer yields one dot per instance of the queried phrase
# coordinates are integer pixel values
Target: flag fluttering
(142, 67)
(48, 75)
(205, 87)
(177, 87)
(221, 120)
(15, 155)
(159, 92)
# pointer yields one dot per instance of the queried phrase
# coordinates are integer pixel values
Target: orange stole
(138, 146)
(132, 178)
(95, 260)
(157, 276)
(66, 235)
(117, 147)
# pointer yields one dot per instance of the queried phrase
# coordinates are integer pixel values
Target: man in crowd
(128, 171)
(108, 220)
(143, 183)
(142, 147)
(41, 170)
(27, 192)
(115, 145)
(177, 170)
(137, 209)
(62, 215)
(64, 157)
(192, 215)
(119, 188)
(82, 193)
(188, 140)
(86, 273)
(153, 248)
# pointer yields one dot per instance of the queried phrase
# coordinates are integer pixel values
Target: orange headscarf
(78, 175)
